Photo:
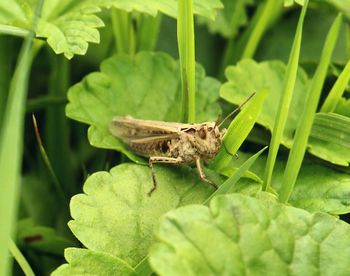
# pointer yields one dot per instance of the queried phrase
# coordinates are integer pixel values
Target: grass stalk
(284, 104)
(297, 152)
(185, 38)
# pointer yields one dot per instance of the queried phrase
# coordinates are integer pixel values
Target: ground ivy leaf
(248, 76)
(88, 262)
(317, 189)
(146, 86)
(69, 25)
(240, 235)
(229, 19)
(115, 216)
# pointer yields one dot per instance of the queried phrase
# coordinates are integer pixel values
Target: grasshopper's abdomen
(159, 148)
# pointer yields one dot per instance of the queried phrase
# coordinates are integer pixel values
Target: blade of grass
(56, 124)
(11, 144)
(284, 104)
(337, 90)
(147, 32)
(124, 34)
(12, 30)
(239, 130)
(21, 260)
(185, 38)
(47, 162)
(297, 152)
(232, 180)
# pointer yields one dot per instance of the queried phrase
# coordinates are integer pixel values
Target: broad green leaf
(146, 87)
(229, 19)
(115, 216)
(248, 76)
(317, 189)
(240, 235)
(89, 262)
(70, 25)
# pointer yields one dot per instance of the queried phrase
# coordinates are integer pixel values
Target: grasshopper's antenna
(237, 109)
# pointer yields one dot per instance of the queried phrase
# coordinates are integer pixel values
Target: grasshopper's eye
(210, 128)
(202, 133)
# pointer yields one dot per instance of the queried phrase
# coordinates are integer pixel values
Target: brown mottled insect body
(170, 142)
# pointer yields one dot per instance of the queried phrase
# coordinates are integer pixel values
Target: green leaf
(239, 235)
(115, 216)
(70, 25)
(88, 262)
(288, 3)
(317, 189)
(146, 86)
(248, 76)
(229, 19)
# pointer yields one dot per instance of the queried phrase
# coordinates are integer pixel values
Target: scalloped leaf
(89, 262)
(317, 189)
(240, 235)
(116, 217)
(146, 87)
(70, 25)
(248, 76)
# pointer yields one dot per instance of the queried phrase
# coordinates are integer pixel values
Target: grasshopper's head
(208, 139)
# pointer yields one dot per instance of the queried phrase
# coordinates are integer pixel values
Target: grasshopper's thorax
(204, 140)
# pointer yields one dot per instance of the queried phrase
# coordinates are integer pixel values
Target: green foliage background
(73, 198)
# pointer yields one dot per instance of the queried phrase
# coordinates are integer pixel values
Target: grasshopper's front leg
(160, 159)
(202, 175)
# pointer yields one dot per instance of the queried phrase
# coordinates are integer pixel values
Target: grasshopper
(170, 142)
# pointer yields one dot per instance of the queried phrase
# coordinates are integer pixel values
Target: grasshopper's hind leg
(202, 175)
(160, 159)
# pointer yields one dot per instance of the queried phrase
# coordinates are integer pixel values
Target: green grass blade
(124, 34)
(11, 148)
(232, 180)
(337, 90)
(147, 32)
(297, 152)
(185, 38)
(239, 130)
(284, 104)
(21, 260)
(12, 30)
